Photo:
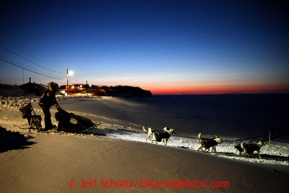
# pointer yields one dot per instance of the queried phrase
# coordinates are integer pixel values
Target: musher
(46, 101)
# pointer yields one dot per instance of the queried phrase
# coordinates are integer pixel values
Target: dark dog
(155, 135)
(209, 142)
(249, 148)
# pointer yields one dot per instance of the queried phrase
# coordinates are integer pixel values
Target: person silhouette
(46, 101)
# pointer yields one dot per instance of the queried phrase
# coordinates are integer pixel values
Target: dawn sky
(165, 46)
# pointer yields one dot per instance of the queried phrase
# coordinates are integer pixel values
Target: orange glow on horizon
(222, 89)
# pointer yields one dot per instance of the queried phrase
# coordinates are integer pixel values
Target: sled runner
(34, 121)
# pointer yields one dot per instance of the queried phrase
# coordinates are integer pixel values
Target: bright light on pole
(70, 73)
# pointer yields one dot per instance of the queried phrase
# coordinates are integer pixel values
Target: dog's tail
(144, 128)
(199, 138)
(242, 145)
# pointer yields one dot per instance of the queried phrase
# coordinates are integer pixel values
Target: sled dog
(156, 135)
(208, 143)
(249, 148)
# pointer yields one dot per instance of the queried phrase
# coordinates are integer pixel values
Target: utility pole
(67, 79)
(86, 87)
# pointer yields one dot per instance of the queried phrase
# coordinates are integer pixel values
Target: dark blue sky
(163, 46)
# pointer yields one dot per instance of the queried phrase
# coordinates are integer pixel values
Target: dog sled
(66, 121)
(71, 122)
(34, 121)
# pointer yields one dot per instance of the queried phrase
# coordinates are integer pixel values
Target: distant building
(33, 88)
(76, 88)
(121, 91)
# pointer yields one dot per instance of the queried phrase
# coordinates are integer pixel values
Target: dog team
(163, 135)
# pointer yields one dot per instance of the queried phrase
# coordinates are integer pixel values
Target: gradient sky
(165, 46)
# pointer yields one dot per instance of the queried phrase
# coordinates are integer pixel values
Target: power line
(27, 59)
(26, 49)
(28, 69)
(24, 66)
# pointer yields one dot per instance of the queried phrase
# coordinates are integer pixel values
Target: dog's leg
(165, 142)
(147, 139)
(152, 137)
(244, 149)
(154, 140)
(214, 149)
(201, 148)
(245, 152)
(258, 152)
(242, 152)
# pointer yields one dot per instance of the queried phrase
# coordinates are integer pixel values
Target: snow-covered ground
(277, 153)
